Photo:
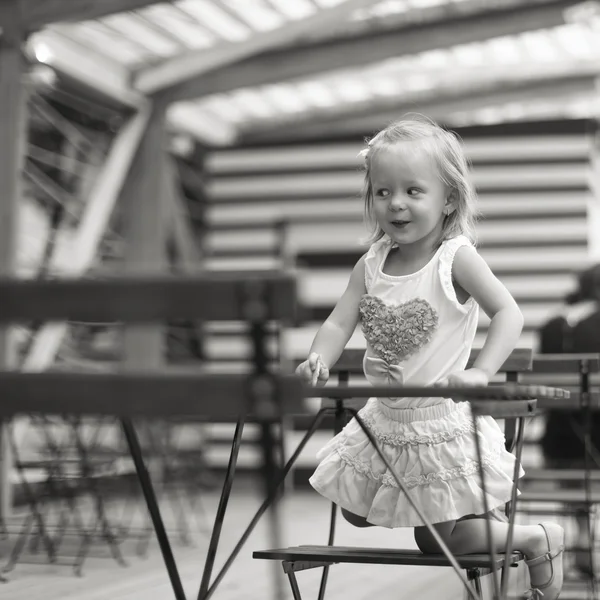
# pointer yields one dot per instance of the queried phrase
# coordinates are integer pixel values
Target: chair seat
(384, 556)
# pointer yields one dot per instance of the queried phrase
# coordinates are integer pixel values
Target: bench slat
(216, 397)
(210, 296)
(392, 556)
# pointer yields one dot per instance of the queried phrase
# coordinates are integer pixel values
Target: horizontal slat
(557, 475)
(528, 148)
(313, 209)
(570, 363)
(542, 257)
(507, 391)
(223, 432)
(571, 404)
(565, 376)
(318, 156)
(521, 177)
(520, 359)
(560, 497)
(147, 394)
(216, 296)
(326, 286)
(553, 259)
(534, 314)
(242, 262)
(384, 556)
(540, 308)
(320, 237)
(500, 408)
(297, 342)
(250, 456)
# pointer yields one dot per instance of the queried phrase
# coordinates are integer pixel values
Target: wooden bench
(344, 398)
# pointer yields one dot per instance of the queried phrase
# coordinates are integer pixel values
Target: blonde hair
(447, 150)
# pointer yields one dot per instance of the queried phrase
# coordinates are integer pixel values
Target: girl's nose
(397, 202)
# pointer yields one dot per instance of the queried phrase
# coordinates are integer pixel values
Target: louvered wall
(533, 184)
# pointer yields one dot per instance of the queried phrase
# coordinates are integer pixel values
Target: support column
(12, 142)
(145, 216)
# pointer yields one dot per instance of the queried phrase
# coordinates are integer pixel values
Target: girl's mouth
(400, 224)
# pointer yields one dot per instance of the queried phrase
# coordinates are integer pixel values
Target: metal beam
(437, 105)
(112, 79)
(292, 62)
(37, 13)
(193, 64)
(91, 68)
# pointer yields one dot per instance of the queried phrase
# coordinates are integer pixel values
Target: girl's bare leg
(470, 537)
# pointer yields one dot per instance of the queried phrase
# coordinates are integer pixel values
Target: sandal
(551, 589)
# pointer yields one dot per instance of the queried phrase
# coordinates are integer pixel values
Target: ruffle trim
(439, 437)
(445, 271)
(468, 469)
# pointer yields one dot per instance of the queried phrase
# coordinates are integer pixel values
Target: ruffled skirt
(433, 452)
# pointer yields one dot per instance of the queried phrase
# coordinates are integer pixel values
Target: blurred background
(224, 134)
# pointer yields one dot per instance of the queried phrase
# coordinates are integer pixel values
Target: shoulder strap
(373, 260)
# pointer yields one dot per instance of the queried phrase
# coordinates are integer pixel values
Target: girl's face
(409, 196)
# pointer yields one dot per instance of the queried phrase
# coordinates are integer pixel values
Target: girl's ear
(450, 205)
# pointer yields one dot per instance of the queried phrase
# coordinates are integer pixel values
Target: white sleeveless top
(416, 329)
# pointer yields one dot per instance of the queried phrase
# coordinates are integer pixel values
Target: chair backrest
(257, 298)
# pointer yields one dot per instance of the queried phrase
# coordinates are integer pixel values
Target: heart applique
(397, 331)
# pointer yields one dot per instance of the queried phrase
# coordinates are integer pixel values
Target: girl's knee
(355, 519)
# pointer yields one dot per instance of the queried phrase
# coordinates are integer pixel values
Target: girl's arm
(474, 276)
(335, 332)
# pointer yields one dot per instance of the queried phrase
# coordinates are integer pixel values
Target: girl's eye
(382, 193)
(413, 191)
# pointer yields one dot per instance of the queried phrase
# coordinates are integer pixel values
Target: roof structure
(263, 69)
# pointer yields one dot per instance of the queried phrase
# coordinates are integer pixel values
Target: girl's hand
(469, 378)
(313, 370)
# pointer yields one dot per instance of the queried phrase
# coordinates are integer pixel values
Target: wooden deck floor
(305, 515)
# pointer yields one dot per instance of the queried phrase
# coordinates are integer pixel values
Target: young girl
(417, 293)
